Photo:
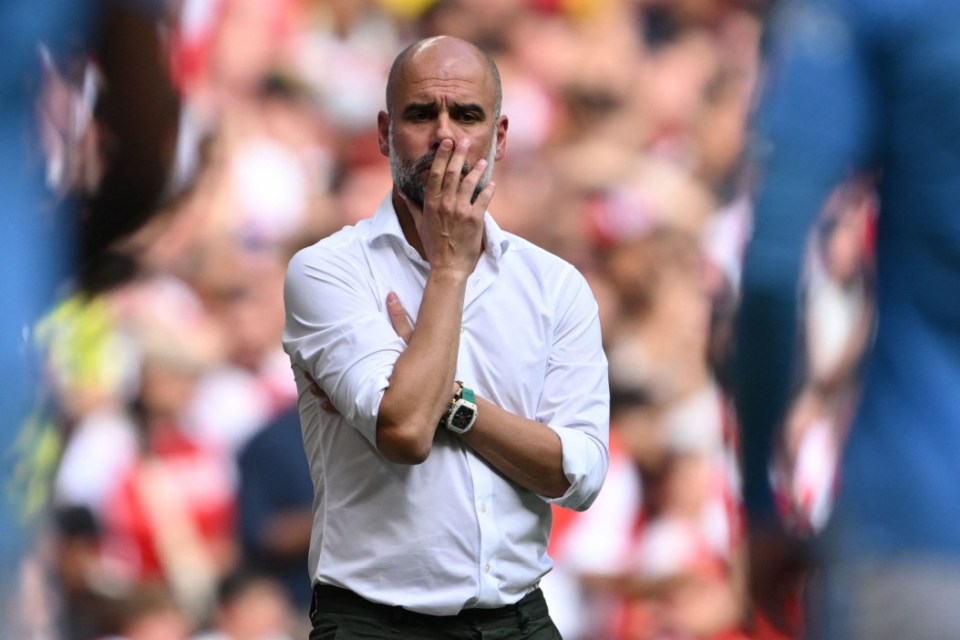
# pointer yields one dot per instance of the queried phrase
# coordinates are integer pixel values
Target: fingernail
(392, 297)
(481, 162)
(446, 144)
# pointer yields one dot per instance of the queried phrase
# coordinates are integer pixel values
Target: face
(443, 91)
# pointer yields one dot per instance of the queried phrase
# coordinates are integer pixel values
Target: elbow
(587, 493)
(403, 445)
(586, 486)
(557, 489)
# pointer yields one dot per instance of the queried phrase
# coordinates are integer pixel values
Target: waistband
(330, 599)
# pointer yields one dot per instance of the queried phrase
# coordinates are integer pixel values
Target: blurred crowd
(177, 499)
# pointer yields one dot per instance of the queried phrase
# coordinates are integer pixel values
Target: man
(420, 530)
(868, 87)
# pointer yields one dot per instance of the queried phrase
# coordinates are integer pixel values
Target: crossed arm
(526, 451)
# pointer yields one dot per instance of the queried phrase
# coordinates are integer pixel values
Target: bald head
(436, 50)
(440, 89)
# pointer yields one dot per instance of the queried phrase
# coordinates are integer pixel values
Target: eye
(419, 113)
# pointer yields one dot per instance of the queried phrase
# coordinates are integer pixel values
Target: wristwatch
(462, 412)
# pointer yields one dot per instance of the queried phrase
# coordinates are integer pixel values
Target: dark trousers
(338, 614)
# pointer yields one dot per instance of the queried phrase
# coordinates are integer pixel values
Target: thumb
(399, 318)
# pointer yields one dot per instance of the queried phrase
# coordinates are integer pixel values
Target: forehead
(444, 73)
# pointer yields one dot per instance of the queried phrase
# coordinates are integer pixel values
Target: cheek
(411, 141)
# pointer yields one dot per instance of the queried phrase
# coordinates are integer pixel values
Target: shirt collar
(386, 223)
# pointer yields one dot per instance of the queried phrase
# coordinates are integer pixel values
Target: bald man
(452, 381)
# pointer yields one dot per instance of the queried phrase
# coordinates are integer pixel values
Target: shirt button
(486, 568)
(483, 507)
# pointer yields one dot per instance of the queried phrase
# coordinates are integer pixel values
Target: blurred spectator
(170, 516)
(346, 43)
(275, 503)
(92, 369)
(251, 383)
(861, 89)
(150, 612)
(64, 189)
(662, 340)
(591, 550)
(249, 606)
(86, 599)
(664, 539)
(838, 326)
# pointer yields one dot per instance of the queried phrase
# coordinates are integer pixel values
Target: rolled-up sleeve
(575, 401)
(338, 332)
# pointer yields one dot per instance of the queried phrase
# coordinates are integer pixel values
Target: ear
(502, 124)
(383, 133)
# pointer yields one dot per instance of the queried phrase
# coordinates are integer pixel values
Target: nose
(443, 130)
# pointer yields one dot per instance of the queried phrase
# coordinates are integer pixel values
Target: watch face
(461, 418)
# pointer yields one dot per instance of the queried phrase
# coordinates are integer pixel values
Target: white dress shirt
(451, 532)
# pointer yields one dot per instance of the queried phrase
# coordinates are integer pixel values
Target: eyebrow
(456, 110)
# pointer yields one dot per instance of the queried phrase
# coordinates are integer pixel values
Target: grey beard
(408, 175)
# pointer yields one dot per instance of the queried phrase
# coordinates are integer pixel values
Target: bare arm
(450, 228)
(525, 451)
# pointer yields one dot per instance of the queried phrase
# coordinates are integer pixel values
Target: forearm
(421, 385)
(525, 451)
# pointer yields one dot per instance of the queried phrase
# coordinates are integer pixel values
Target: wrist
(461, 415)
(449, 274)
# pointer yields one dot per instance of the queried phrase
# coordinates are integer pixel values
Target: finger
(453, 173)
(485, 196)
(399, 318)
(469, 184)
(324, 399)
(321, 395)
(437, 171)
